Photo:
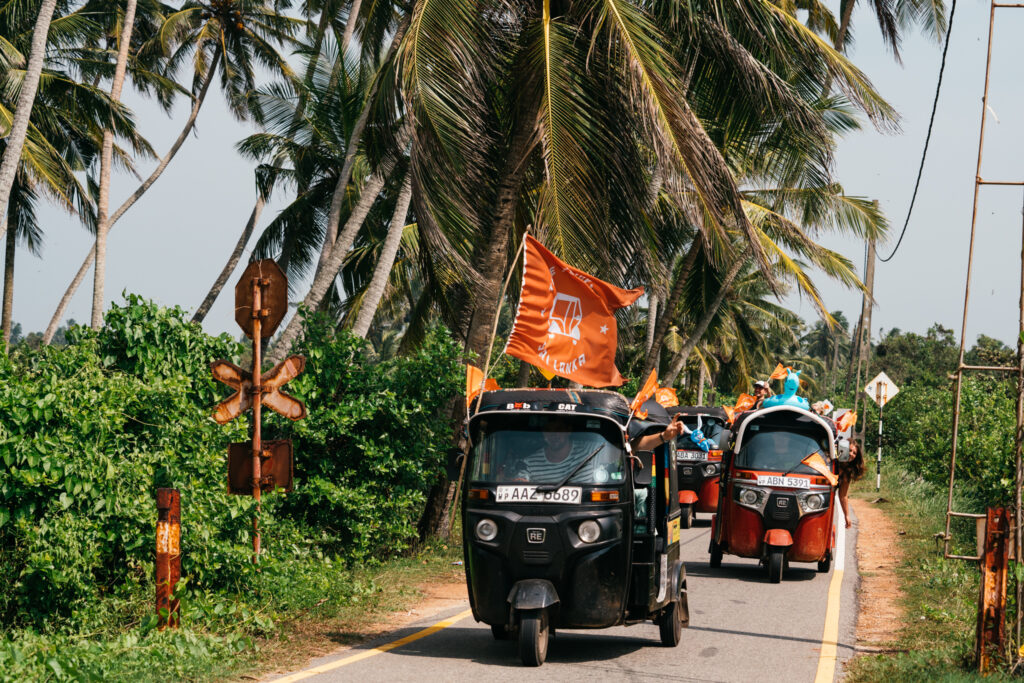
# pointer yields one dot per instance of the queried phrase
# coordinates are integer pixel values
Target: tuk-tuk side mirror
(453, 465)
(642, 468)
(843, 451)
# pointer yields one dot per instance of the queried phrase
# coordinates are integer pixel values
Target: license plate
(691, 455)
(530, 494)
(788, 482)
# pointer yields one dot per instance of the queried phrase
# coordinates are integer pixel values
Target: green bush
(90, 430)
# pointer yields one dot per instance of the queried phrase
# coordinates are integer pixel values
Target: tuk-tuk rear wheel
(533, 637)
(686, 518)
(716, 555)
(776, 560)
(502, 632)
(826, 564)
(670, 623)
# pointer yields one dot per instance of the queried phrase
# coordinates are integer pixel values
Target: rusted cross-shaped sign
(271, 395)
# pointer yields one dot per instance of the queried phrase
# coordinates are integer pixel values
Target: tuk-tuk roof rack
(711, 411)
(598, 402)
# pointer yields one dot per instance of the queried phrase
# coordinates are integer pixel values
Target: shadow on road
(813, 641)
(567, 647)
(751, 573)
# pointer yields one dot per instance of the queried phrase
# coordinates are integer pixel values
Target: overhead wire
(928, 137)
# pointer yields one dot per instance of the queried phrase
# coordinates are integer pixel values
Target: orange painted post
(991, 635)
(168, 556)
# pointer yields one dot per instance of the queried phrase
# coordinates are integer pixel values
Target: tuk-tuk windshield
(544, 449)
(780, 449)
(712, 427)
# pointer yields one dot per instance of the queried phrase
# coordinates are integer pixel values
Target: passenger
(652, 441)
(761, 392)
(849, 472)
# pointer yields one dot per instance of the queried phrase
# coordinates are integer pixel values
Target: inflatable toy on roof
(788, 396)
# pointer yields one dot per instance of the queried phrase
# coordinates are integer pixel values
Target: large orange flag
(565, 322)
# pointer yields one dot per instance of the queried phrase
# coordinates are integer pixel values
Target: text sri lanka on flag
(565, 322)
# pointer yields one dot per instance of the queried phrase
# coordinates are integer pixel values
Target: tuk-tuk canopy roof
(708, 411)
(782, 412)
(597, 402)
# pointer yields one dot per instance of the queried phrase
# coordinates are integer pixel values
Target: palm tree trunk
(338, 197)
(652, 319)
(375, 290)
(23, 108)
(654, 353)
(844, 25)
(523, 378)
(5, 317)
(350, 25)
(229, 267)
(141, 190)
(106, 162)
(700, 387)
(702, 325)
(325, 276)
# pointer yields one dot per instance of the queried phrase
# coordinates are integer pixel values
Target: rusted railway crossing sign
(261, 300)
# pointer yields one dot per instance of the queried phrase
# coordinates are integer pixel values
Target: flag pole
(497, 318)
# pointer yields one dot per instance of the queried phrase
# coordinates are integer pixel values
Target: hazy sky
(172, 244)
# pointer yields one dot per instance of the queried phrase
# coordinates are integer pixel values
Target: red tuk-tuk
(777, 490)
(699, 471)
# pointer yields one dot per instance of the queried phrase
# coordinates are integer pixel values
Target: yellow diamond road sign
(881, 389)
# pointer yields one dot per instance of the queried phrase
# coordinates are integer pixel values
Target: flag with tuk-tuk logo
(565, 323)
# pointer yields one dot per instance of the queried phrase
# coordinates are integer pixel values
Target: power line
(928, 137)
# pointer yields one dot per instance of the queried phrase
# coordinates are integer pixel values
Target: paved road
(741, 629)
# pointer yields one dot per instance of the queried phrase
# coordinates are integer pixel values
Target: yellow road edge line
(380, 649)
(830, 638)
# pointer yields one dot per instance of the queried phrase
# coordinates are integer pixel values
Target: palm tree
(229, 38)
(23, 110)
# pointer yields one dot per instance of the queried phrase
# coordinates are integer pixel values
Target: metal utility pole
(863, 347)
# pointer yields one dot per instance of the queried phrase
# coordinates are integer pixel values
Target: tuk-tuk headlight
(751, 497)
(710, 469)
(589, 531)
(812, 502)
(486, 530)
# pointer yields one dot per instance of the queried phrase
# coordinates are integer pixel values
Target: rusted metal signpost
(261, 300)
(991, 636)
(168, 555)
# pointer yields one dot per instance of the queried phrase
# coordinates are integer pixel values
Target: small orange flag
(846, 420)
(744, 402)
(565, 323)
(646, 391)
(666, 396)
(474, 378)
(779, 372)
(817, 463)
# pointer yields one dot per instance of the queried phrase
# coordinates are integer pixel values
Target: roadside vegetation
(89, 430)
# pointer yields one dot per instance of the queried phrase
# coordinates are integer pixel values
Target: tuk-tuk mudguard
(530, 594)
(743, 531)
(778, 538)
(687, 497)
(811, 538)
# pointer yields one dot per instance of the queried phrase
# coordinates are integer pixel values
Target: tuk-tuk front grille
(536, 557)
(781, 508)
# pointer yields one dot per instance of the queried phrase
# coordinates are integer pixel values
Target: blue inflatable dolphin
(788, 396)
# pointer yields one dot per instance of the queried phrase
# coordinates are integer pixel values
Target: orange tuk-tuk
(776, 499)
(699, 470)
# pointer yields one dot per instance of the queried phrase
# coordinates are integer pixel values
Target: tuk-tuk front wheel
(776, 559)
(533, 637)
(686, 518)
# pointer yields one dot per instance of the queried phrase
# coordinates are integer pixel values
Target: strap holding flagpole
(497, 318)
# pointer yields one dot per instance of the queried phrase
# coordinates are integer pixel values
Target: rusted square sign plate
(275, 471)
